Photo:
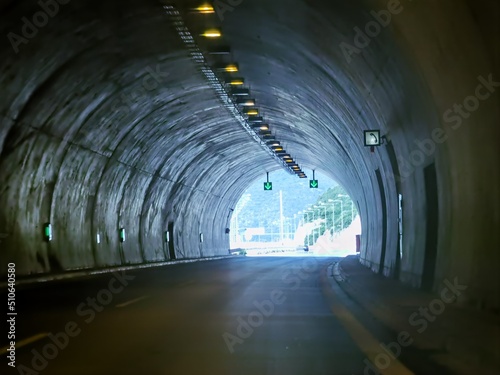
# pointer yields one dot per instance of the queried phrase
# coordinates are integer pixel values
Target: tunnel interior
(110, 132)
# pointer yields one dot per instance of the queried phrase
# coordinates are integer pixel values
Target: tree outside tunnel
(333, 212)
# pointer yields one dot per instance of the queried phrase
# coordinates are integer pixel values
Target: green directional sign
(313, 184)
(268, 186)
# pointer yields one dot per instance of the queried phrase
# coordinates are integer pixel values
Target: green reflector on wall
(122, 235)
(48, 232)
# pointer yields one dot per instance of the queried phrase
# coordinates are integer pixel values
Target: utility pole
(281, 215)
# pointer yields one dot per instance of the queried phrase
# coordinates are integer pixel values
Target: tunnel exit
(290, 217)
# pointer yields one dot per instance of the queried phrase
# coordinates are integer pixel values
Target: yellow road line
(368, 344)
(24, 342)
(125, 304)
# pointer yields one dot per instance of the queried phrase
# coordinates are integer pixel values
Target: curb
(26, 280)
(460, 358)
(338, 273)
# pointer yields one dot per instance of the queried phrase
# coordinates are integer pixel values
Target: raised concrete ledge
(34, 279)
(462, 339)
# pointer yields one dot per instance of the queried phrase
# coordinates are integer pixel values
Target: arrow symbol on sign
(314, 183)
(268, 186)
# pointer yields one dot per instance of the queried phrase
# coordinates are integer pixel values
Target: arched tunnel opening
(129, 132)
(289, 216)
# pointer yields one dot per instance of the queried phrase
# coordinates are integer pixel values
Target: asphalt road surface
(258, 316)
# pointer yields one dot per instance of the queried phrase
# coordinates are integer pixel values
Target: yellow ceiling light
(205, 9)
(252, 112)
(231, 68)
(264, 127)
(237, 82)
(212, 33)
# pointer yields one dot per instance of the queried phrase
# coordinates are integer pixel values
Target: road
(234, 316)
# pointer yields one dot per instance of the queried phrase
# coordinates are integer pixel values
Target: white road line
(125, 304)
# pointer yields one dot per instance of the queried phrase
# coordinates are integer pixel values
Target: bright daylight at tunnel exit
(300, 187)
(289, 217)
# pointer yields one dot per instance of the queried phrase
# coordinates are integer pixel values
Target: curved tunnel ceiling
(107, 123)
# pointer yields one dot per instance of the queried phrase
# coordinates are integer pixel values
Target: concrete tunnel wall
(106, 123)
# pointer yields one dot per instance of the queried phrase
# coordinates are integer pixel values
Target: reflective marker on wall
(48, 232)
(122, 235)
(98, 238)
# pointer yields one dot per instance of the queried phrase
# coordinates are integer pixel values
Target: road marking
(20, 344)
(368, 344)
(125, 304)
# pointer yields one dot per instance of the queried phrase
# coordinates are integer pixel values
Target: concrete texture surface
(105, 123)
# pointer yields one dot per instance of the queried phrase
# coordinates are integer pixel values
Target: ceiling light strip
(215, 82)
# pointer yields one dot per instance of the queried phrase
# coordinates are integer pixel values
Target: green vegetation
(334, 211)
